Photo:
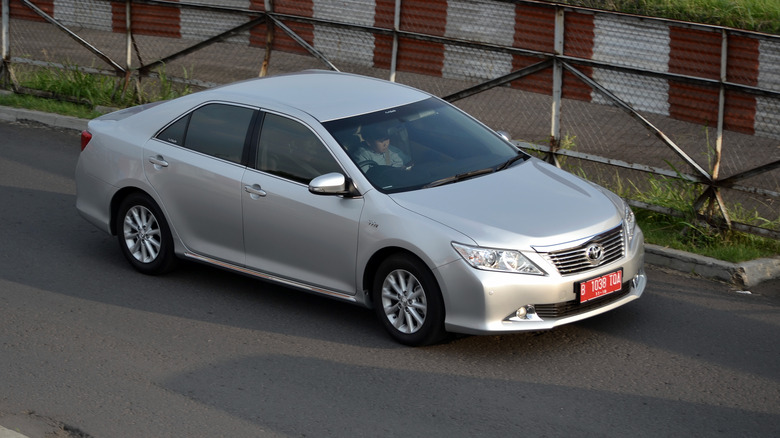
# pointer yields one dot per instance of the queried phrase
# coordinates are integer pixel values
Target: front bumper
(483, 302)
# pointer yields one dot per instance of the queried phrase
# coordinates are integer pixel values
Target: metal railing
(613, 97)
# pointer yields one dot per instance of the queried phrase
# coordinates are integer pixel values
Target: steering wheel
(368, 163)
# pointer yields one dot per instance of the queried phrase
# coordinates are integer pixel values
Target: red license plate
(598, 287)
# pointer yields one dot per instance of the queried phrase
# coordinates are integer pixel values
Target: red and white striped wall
(767, 116)
(646, 44)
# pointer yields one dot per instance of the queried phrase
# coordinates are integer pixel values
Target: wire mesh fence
(621, 100)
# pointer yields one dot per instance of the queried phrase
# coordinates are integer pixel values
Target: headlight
(503, 260)
(629, 221)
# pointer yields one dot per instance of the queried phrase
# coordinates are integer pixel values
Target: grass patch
(48, 105)
(71, 92)
(70, 84)
(755, 15)
(679, 233)
(686, 233)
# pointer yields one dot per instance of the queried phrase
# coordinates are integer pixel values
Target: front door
(288, 231)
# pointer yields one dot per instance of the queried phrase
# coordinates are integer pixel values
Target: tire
(143, 234)
(408, 301)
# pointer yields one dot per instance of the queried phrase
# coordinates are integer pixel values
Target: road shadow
(303, 396)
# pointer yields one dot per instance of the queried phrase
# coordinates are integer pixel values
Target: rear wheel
(408, 301)
(144, 236)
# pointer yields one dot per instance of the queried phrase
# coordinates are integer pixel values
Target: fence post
(4, 59)
(396, 28)
(269, 38)
(724, 59)
(712, 195)
(555, 124)
(128, 50)
(128, 35)
(724, 47)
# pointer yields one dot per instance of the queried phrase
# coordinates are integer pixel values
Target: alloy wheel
(404, 301)
(142, 234)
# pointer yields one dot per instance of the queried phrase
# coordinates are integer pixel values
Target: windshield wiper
(459, 177)
(513, 160)
(473, 173)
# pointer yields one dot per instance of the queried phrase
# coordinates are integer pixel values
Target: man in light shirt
(378, 149)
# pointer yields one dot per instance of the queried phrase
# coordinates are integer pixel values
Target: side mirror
(331, 184)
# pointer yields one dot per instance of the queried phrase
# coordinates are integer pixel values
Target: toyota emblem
(595, 253)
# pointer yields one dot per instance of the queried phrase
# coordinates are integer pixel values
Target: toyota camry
(366, 191)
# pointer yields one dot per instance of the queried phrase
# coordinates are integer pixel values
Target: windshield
(419, 145)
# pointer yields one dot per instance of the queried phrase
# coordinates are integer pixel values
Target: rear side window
(218, 130)
(175, 133)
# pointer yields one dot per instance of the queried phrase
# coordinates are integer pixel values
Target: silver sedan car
(365, 191)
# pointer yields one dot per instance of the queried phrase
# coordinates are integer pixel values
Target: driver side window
(291, 150)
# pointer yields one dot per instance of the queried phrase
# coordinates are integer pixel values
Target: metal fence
(651, 108)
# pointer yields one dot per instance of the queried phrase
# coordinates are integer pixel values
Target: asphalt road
(88, 347)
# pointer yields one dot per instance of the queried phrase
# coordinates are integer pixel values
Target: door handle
(255, 191)
(158, 161)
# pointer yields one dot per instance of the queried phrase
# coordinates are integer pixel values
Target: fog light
(525, 312)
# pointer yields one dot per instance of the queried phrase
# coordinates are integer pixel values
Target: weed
(73, 84)
(679, 233)
(168, 89)
(684, 230)
(756, 15)
(48, 105)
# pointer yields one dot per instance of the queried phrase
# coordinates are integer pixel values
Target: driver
(378, 149)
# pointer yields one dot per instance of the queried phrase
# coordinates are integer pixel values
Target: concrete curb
(8, 433)
(742, 275)
(53, 120)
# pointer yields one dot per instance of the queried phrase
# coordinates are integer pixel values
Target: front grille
(568, 308)
(575, 260)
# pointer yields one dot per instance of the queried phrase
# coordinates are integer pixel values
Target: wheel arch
(411, 316)
(370, 270)
(117, 199)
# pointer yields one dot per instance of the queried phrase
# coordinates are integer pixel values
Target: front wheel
(143, 234)
(408, 301)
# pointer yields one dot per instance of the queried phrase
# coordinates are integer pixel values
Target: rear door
(196, 166)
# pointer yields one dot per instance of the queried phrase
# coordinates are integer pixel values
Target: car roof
(325, 95)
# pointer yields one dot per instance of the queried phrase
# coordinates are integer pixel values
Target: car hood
(529, 204)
